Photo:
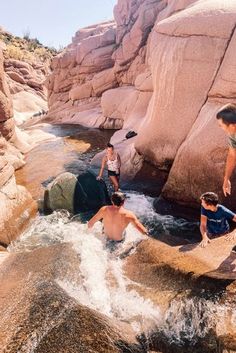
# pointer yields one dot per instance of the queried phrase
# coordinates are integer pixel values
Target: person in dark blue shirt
(214, 218)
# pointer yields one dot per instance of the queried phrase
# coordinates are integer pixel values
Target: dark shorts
(213, 236)
(111, 173)
(112, 245)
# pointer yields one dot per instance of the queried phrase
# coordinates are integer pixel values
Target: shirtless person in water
(116, 218)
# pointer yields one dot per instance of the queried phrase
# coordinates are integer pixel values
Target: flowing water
(101, 282)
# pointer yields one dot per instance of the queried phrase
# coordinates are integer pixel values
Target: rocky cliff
(24, 64)
(16, 202)
(162, 68)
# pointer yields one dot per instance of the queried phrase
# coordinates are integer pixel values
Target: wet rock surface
(37, 314)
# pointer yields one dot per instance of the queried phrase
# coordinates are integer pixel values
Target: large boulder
(76, 194)
(37, 314)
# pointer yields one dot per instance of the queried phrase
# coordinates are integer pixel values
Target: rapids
(183, 318)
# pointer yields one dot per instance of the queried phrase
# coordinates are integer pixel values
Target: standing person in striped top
(113, 162)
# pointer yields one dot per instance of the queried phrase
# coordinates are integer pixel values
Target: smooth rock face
(47, 318)
(26, 84)
(172, 69)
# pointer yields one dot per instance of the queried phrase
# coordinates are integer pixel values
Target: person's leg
(115, 182)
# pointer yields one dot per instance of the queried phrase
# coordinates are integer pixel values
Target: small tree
(26, 34)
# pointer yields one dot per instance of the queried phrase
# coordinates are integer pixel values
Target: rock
(17, 211)
(80, 92)
(97, 60)
(205, 146)
(60, 193)
(76, 195)
(104, 81)
(170, 123)
(26, 104)
(171, 64)
(94, 42)
(5, 100)
(16, 77)
(143, 82)
(134, 39)
(17, 205)
(48, 319)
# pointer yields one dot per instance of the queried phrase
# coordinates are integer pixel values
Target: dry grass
(26, 49)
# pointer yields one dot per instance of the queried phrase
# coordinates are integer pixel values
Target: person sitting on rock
(115, 220)
(214, 218)
(113, 161)
(227, 121)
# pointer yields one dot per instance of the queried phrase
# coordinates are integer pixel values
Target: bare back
(115, 220)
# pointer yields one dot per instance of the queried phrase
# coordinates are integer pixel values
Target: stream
(168, 318)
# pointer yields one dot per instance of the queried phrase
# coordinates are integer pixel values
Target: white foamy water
(104, 286)
(101, 284)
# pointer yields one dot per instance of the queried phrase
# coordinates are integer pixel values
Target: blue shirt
(217, 222)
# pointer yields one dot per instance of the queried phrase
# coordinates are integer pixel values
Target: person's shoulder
(224, 209)
(129, 214)
(204, 212)
(103, 208)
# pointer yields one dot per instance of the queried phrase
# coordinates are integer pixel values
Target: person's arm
(229, 167)
(203, 229)
(102, 168)
(97, 217)
(137, 224)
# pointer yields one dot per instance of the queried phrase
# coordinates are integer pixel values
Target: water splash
(104, 286)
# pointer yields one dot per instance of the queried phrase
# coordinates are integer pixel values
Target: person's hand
(227, 187)
(230, 237)
(204, 242)
(98, 177)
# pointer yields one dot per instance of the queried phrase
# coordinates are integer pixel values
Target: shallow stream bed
(169, 315)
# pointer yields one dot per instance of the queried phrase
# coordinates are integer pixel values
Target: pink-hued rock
(97, 60)
(203, 18)
(181, 85)
(16, 202)
(117, 103)
(94, 42)
(173, 64)
(16, 77)
(18, 208)
(225, 82)
(126, 75)
(199, 164)
(104, 81)
(26, 104)
(143, 82)
(82, 91)
(173, 7)
(5, 100)
(91, 31)
(138, 34)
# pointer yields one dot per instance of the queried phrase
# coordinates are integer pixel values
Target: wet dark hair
(109, 145)
(118, 198)
(210, 198)
(227, 113)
